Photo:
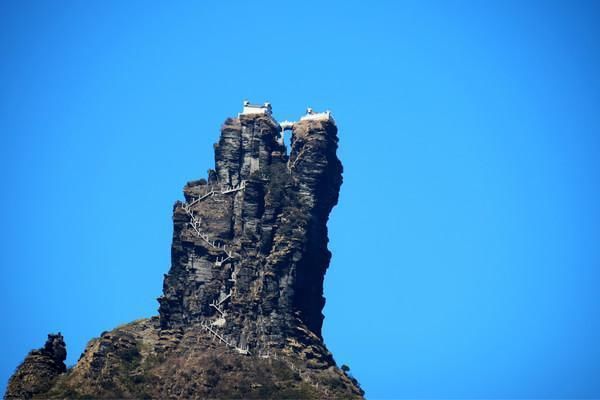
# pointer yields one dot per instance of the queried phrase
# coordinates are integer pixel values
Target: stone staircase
(195, 222)
(214, 244)
(220, 338)
(212, 190)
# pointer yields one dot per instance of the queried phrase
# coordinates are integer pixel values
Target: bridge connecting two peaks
(266, 110)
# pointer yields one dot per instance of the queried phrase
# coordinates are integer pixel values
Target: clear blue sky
(466, 254)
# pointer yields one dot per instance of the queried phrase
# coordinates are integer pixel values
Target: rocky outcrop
(39, 370)
(241, 310)
(265, 276)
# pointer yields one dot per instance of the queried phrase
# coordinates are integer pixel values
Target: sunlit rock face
(241, 310)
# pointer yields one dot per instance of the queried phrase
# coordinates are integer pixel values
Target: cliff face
(240, 314)
(250, 244)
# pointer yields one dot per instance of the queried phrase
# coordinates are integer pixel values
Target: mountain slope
(241, 310)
